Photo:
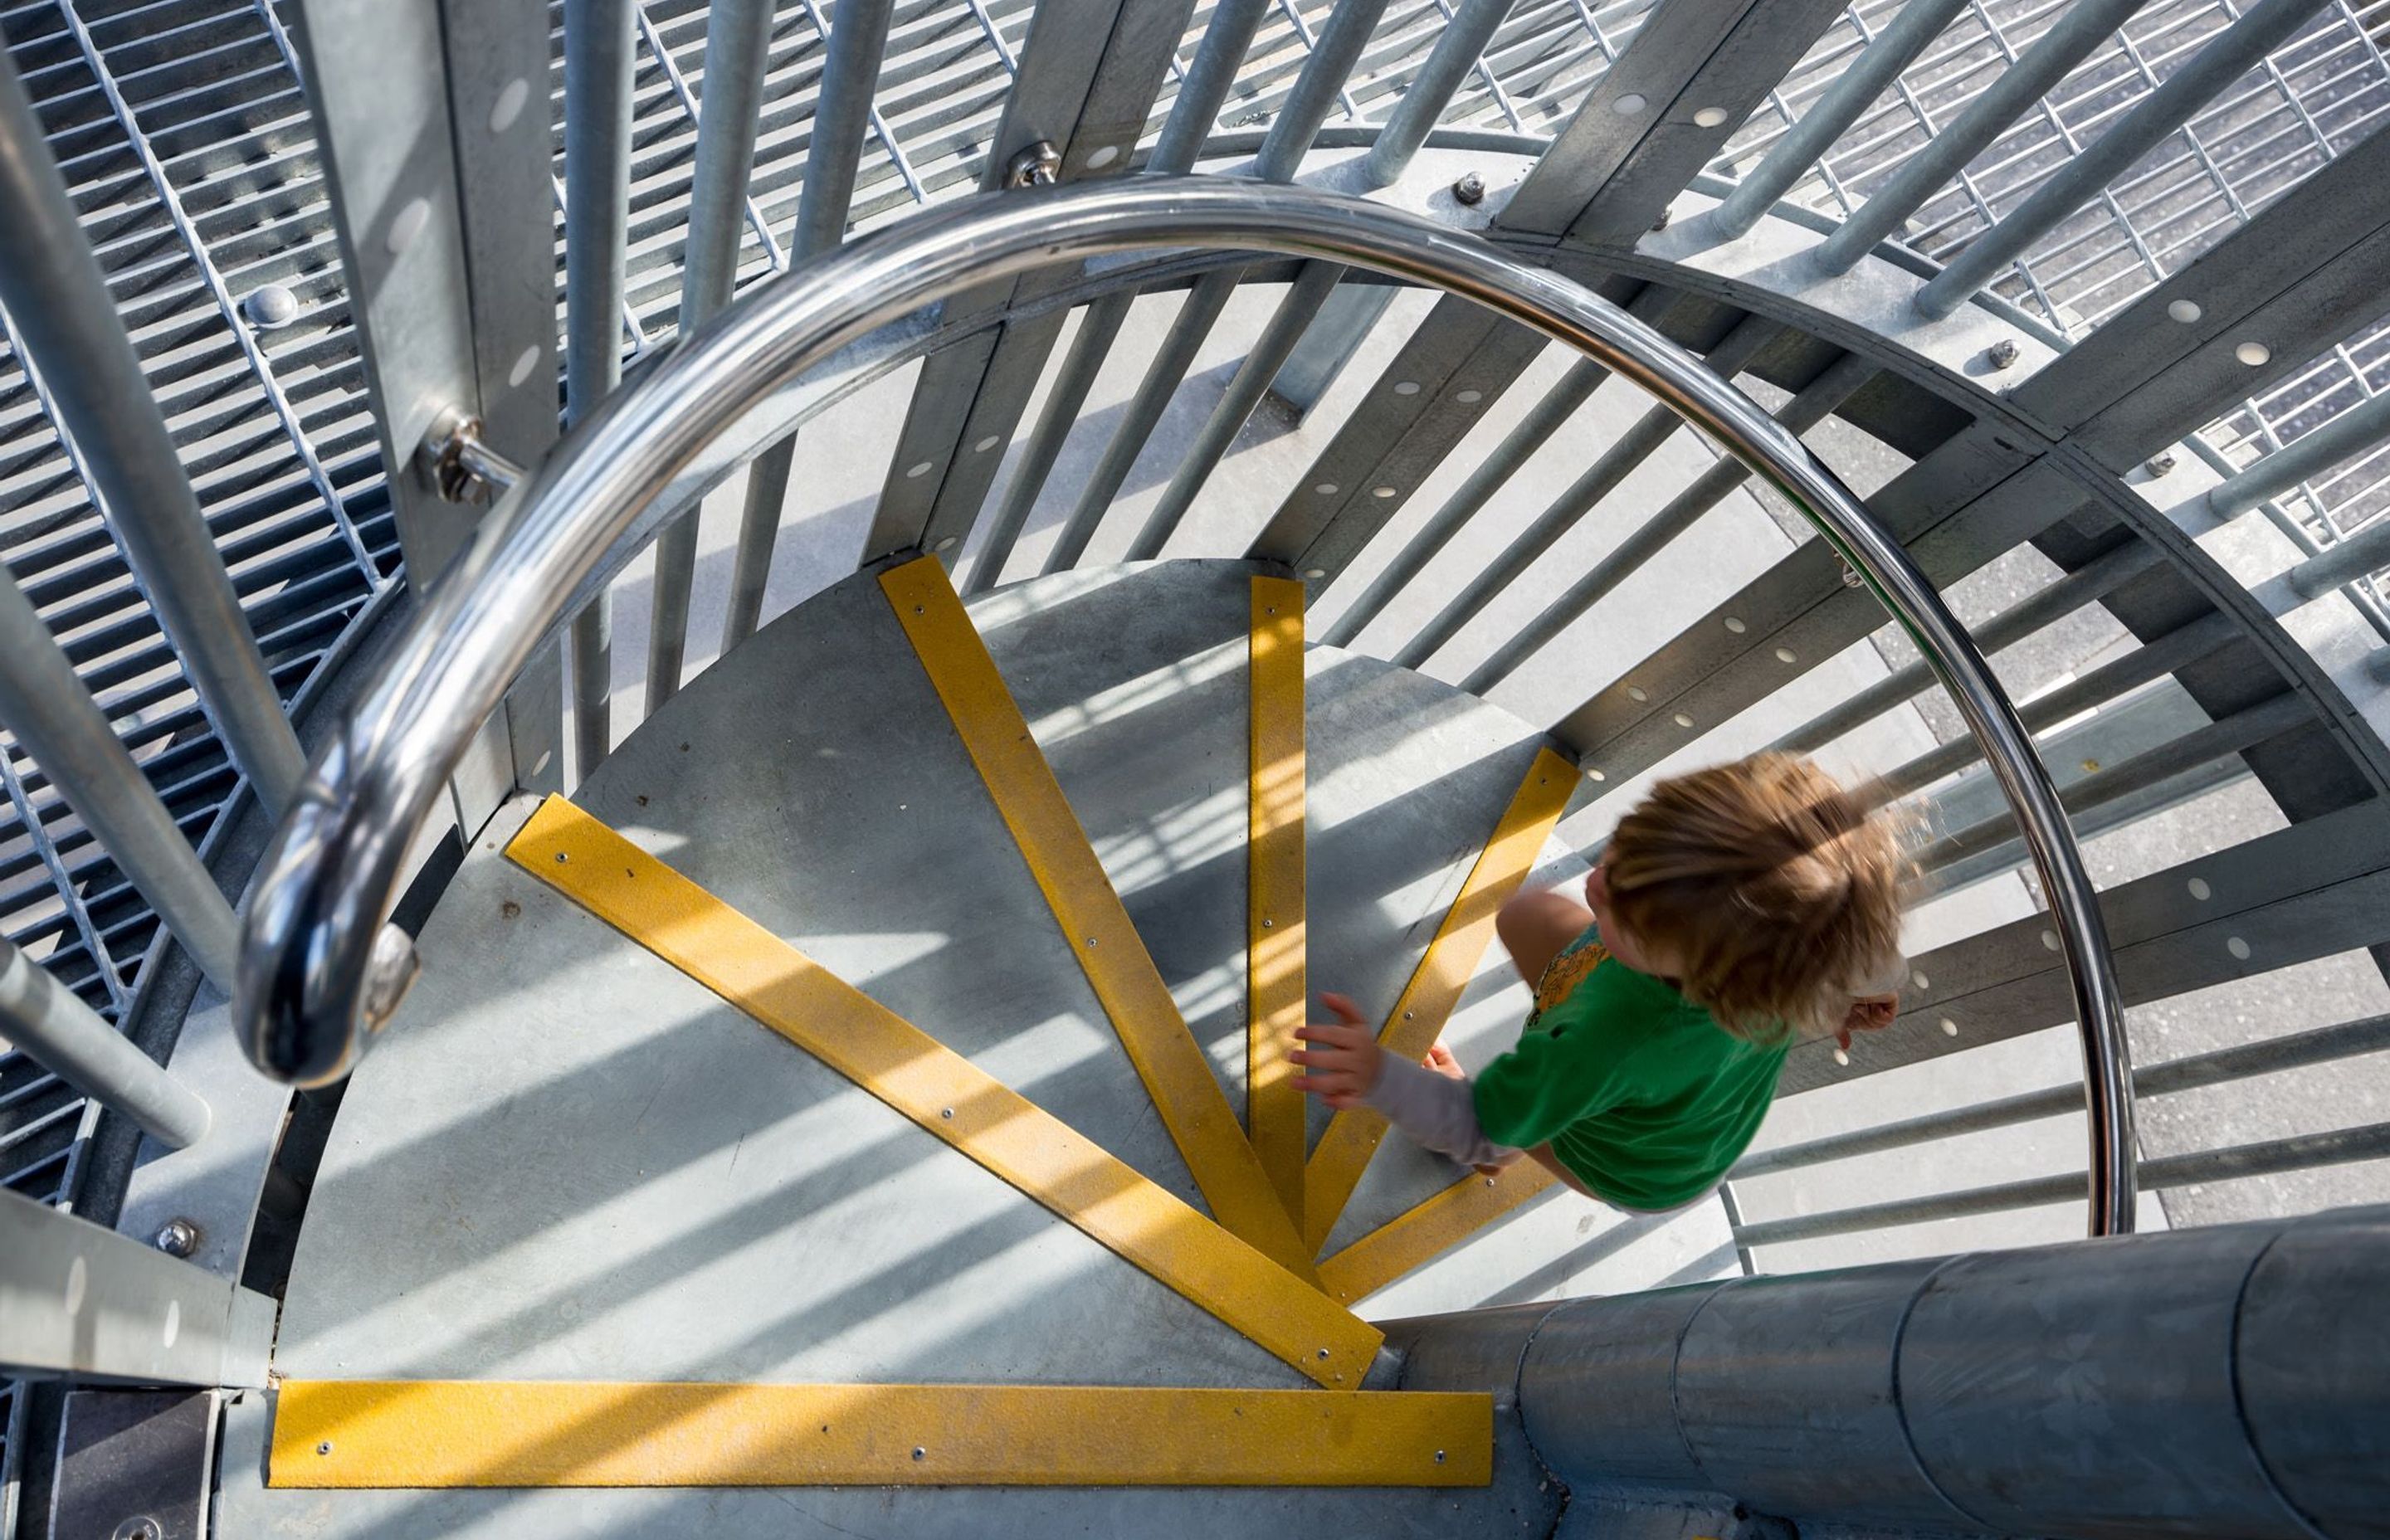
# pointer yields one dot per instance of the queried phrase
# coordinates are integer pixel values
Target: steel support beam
(82, 1304)
(1694, 72)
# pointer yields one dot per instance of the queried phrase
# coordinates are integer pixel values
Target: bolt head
(2159, 463)
(2000, 355)
(1470, 190)
(177, 1238)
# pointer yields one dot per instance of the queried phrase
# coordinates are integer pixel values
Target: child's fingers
(1335, 1035)
(1344, 1010)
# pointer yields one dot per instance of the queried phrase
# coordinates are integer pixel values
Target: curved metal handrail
(319, 972)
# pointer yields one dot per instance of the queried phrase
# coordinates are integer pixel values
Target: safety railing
(1637, 142)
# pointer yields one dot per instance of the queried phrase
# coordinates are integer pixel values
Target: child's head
(1763, 886)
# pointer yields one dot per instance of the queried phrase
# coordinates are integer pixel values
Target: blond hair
(1770, 887)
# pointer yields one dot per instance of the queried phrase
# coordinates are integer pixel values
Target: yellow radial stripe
(1428, 1230)
(944, 1092)
(1417, 1020)
(1274, 877)
(1177, 1074)
(452, 1433)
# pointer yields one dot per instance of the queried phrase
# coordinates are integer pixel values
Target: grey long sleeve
(1433, 1110)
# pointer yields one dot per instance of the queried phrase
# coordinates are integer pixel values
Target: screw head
(139, 1527)
(919, 1453)
(1470, 190)
(2000, 355)
(177, 1238)
(2159, 463)
(1034, 165)
(325, 1448)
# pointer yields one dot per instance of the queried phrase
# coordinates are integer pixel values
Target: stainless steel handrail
(319, 974)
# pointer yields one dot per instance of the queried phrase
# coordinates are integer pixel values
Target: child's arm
(1345, 1067)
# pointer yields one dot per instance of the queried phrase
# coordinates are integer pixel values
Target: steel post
(68, 1038)
(1458, 50)
(2351, 558)
(2361, 428)
(737, 47)
(54, 719)
(60, 313)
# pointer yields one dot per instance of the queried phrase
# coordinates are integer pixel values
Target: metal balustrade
(2168, 238)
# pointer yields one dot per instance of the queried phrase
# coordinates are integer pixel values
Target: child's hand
(1340, 1066)
(1440, 1059)
(1869, 1013)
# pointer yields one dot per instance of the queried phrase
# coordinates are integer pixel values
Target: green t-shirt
(1639, 1092)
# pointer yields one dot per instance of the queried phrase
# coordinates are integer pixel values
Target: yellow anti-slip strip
(1429, 1230)
(1274, 882)
(1177, 1074)
(1418, 1019)
(944, 1092)
(452, 1433)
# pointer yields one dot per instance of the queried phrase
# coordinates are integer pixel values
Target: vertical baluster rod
(71, 1041)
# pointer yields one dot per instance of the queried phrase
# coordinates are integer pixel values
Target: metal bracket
(1037, 165)
(461, 463)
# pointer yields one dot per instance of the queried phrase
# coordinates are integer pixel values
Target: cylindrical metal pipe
(1918, 23)
(842, 116)
(1597, 481)
(1100, 323)
(2361, 428)
(2222, 1381)
(1227, 40)
(1251, 381)
(2351, 558)
(2080, 27)
(307, 993)
(2095, 579)
(2262, 29)
(1316, 88)
(56, 720)
(597, 82)
(68, 1038)
(1803, 411)
(737, 47)
(1457, 51)
(1532, 431)
(66, 325)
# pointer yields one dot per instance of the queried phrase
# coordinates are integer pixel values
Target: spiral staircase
(1016, 642)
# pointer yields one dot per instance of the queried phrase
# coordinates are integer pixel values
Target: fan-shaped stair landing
(921, 1150)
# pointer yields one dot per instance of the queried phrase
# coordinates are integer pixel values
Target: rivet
(2199, 889)
(271, 307)
(2253, 354)
(2185, 311)
(1098, 159)
(1406, 387)
(1734, 623)
(2050, 940)
(1470, 398)
(1268, 924)
(325, 1448)
(525, 362)
(139, 1527)
(1683, 721)
(1786, 655)
(1710, 117)
(1628, 105)
(1326, 489)
(912, 471)
(2239, 948)
(1949, 1028)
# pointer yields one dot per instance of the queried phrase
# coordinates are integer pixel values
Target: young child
(1736, 911)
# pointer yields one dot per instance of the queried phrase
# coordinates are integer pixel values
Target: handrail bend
(319, 972)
